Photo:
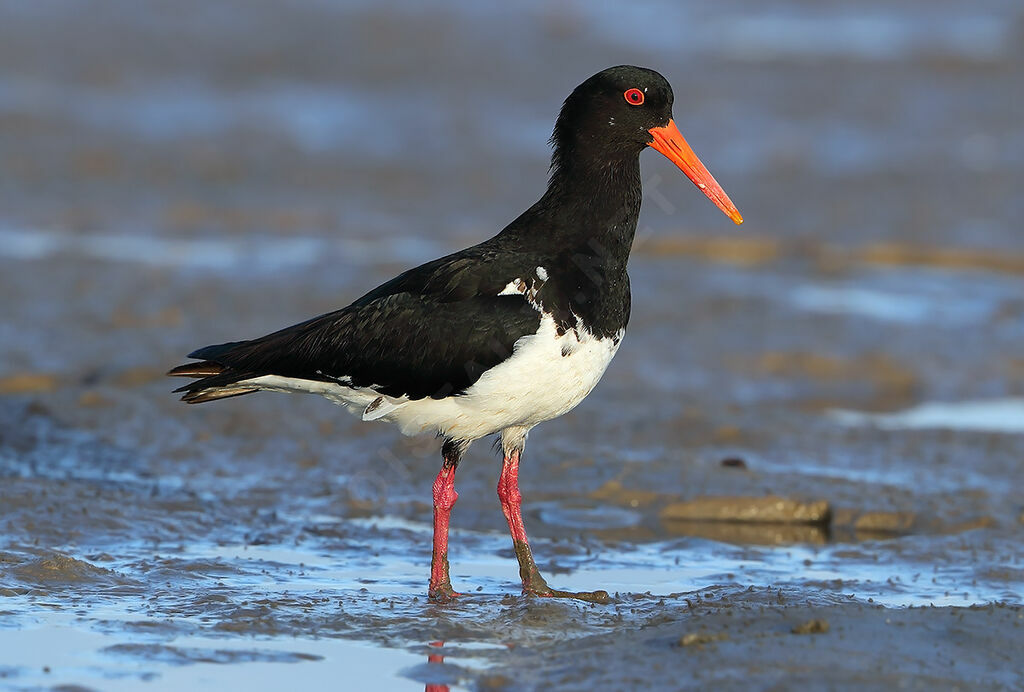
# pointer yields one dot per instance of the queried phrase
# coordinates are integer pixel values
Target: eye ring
(634, 97)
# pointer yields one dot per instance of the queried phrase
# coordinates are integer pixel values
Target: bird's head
(616, 114)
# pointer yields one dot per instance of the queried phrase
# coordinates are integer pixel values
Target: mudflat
(801, 470)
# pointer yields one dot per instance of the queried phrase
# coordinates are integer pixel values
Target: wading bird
(500, 336)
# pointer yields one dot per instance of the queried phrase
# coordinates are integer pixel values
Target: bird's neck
(590, 206)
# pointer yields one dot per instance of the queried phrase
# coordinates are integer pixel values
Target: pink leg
(444, 499)
(511, 505)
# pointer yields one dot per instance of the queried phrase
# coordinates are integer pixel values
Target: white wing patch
(514, 287)
(527, 289)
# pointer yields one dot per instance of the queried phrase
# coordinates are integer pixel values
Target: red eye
(634, 97)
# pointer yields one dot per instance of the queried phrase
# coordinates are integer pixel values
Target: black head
(614, 115)
(611, 113)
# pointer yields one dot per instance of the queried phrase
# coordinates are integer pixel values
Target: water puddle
(983, 415)
(219, 616)
(60, 648)
(253, 252)
(888, 306)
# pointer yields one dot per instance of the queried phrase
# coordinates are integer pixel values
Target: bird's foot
(600, 596)
(443, 593)
(534, 585)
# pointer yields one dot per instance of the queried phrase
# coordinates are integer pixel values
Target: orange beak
(669, 141)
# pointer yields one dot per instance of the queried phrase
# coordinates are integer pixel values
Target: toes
(599, 596)
(443, 595)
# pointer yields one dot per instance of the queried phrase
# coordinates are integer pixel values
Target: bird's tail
(214, 380)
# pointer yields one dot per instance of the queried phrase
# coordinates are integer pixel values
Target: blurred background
(179, 173)
(245, 142)
(831, 122)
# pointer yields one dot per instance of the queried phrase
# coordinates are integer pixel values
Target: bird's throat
(593, 200)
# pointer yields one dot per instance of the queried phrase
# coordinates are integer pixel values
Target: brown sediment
(745, 251)
(91, 398)
(124, 318)
(613, 491)
(895, 383)
(759, 250)
(28, 383)
(984, 522)
(745, 533)
(770, 509)
(727, 433)
(701, 638)
(135, 377)
(904, 254)
(815, 626)
(878, 366)
(191, 216)
(887, 522)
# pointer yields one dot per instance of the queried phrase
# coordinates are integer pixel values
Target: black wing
(430, 332)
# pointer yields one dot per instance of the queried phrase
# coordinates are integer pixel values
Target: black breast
(586, 290)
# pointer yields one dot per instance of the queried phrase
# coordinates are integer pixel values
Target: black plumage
(433, 330)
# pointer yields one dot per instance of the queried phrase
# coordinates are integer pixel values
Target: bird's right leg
(444, 499)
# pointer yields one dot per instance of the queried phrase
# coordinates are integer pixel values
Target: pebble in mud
(815, 626)
(701, 638)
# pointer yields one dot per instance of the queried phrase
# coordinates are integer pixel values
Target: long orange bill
(669, 141)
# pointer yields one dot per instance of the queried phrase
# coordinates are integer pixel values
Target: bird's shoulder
(480, 271)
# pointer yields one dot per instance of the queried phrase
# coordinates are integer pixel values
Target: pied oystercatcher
(500, 336)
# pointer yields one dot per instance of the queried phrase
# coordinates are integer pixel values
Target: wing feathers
(205, 368)
(430, 332)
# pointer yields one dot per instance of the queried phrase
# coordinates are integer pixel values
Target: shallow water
(856, 342)
(215, 615)
(993, 415)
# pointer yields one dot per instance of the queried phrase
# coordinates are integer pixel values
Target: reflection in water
(436, 658)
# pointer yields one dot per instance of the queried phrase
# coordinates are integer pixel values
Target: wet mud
(803, 468)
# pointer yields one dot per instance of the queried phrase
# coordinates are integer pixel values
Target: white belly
(536, 384)
(546, 376)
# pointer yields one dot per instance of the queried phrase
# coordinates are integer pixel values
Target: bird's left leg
(513, 441)
(444, 499)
